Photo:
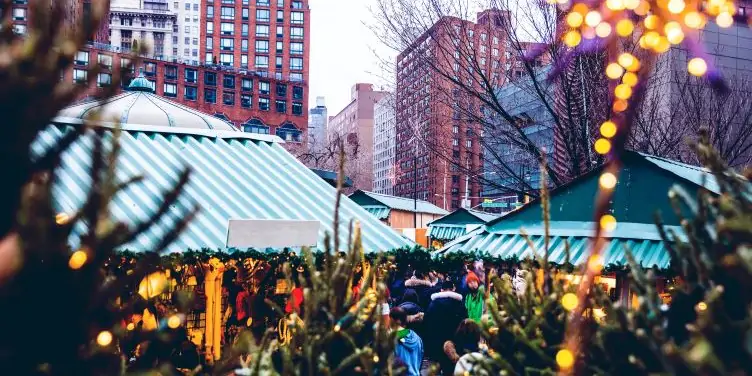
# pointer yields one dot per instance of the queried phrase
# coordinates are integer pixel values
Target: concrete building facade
(318, 119)
(384, 136)
(354, 125)
(145, 22)
(187, 37)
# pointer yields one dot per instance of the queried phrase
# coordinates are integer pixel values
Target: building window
(244, 61)
(297, 108)
(255, 126)
(82, 58)
(190, 93)
(171, 72)
(195, 7)
(246, 84)
(226, 28)
(495, 52)
(264, 88)
(280, 47)
(280, 31)
(209, 28)
(297, 4)
(296, 63)
(210, 11)
(262, 62)
(105, 61)
(297, 77)
(455, 129)
(289, 132)
(19, 14)
(280, 16)
(227, 13)
(281, 90)
(209, 43)
(297, 92)
(226, 59)
(210, 78)
(190, 75)
(226, 44)
(296, 48)
(296, 32)
(263, 3)
(278, 62)
(262, 15)
(455, 142)
(296, 18)
(469, 143)
(210, 96)
(245, 100)
(495, 40)
(150, 68)
(280, 3)
(104, 79)
(210, 58)
(244, 45)
(195, 41)
(264, 104)
(187, 6)
(281, 106)
(187, 40)
(21, 29)
(262, 31)
(262, 46)
(244, 30)
(245, 14)
(228, 98)
(170, 90)
(80, 75)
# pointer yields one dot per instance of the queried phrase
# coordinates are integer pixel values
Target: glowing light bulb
(642, 9)
(574, 19)
(629, 79)
(701, 306)
(77, 259)
(152, 285)
(572, 38)
(624, 27)
(593, 18)
(104, 338)
(602, 146)
(631, 4)
(130, 326)
(375, 358)
(623, 91)
(628, 61)
(651, 39)
(603, 30)
(620, 105)
(694, 20)
(62, 218)
(697, 66)
(651, 21)
(674, 33)
(565, 359)
(580, 8)
(569, 301)
(174, 322)
(615, 4)
(662, 46)
(608, 129)
(724, 20)
(614, 71)
(676, 6)
(595, 263)
(608, 223)
(607, 180)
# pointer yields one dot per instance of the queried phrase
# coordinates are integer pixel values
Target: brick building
(438, 156)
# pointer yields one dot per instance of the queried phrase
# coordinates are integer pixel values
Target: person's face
(473, 285)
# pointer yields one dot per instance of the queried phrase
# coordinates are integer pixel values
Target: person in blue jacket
(409, 349)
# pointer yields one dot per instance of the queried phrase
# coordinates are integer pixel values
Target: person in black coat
(413, 310)
(445, 313)
(422, 286)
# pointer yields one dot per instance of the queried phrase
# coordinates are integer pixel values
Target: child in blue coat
(409, 349)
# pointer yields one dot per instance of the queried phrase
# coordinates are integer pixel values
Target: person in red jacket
(295, 300)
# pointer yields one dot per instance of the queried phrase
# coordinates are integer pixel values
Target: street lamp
(465, 201)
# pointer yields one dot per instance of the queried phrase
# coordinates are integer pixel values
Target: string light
(104, 338)
(607, 180)
(569, 301)
(608, 222)
(152, 285)
(623, 91)
(629, 79)
(572, 38)
(565, 359)
(62, 218)
(615, 4)
(603, 29)
(608, 129)
(651, 21)
(574, 19)
(595, 263)
(173, 322)
(629, 62)
(375, 358)
(651, 39)
(662, 46)
(701, 306)
(130, 326)
(724, 20)
(631, 4)
(642, 9)
(620, 105)
(580, 8)
(674, 33)
(676, 6)
(697, 66)
(624, 27)
(614, 71)
(77, 259)
(593, 18)
(602, 146)
(694, 20)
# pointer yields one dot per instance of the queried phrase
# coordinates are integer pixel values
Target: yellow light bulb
(651, 39)
(651, 21)
(574, 19)
(569, 301)
(130, 326)
(631, 4)
(152, 285)
(77, 259)
(104, 338)
(607, 180)
(623, 91)
(629, 79)
(593, 18)
(676, 6)
(620, 105)
(608, 223)
(642, 9)
(62, 218)
(697, 66)
(603, 29)
(662, 46)
(614, 71)
(674, 33)
(174, 321)
(694, 20)
(608, 129)
(642, 42)
(701, 306)
(626, 60)
(615, 4)
(565, 359)
(602, 146)
(572, 38)
(595, 263)
(375, 358)
(624, 27)
(724, 20)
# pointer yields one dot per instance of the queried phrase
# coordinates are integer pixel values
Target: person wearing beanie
(475, 297)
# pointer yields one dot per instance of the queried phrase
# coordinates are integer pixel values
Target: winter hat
(410, 296)
(472, 277)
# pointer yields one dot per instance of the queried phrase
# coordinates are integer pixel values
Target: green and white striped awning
(446, 232)
(380, 212)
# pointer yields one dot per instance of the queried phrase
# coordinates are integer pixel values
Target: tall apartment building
(75, 13)
(384, 136)
(147, 22)
(318, 119)
(187, 36)
(428, 118)
(354, 125)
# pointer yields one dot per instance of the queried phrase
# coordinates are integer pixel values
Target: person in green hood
(475, 298)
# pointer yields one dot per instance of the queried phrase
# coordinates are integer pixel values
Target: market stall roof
(640, 192)
(331, 177)
(379, 204)
(456, 223)
(235, 175)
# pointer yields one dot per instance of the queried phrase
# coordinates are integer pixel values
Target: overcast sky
(341, 51)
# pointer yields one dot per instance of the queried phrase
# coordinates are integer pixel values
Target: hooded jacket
(409, 350)
(423, 288)
(444, 315)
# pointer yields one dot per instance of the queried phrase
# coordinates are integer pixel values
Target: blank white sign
(272, 233)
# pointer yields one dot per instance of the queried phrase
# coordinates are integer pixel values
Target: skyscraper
(384, 134)
(148, 22)
(186, 38)
(317, 124)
